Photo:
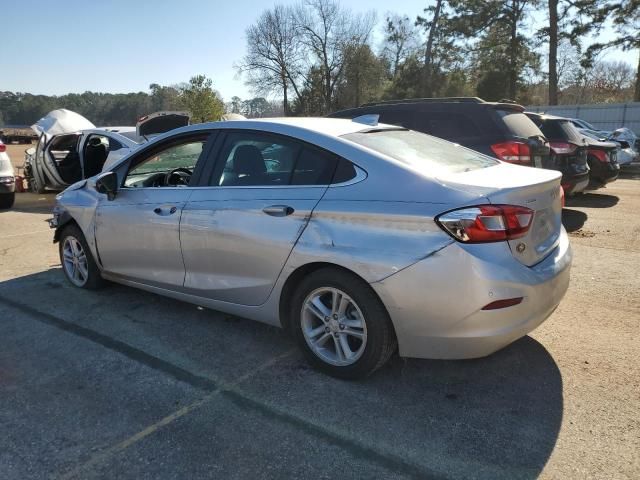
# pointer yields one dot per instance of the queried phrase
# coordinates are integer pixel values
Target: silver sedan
(361, 239)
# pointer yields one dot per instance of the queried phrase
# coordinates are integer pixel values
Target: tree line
(197, 96)
(318, 56)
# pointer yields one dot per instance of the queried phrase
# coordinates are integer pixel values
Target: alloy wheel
(75, 261)
(333, 326)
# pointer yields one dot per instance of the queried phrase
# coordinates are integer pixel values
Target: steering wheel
(177, 176)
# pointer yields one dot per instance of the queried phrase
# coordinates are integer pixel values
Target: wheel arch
(297, 275)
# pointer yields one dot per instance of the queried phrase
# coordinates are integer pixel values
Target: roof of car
(335, 127)
(546, 116)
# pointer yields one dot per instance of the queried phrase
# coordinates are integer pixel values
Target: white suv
(7, 179)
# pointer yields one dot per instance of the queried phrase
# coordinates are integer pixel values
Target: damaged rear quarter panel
(372, 239)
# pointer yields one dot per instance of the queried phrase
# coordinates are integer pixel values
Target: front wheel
(7, 200)
(78, 264)
(341, 325)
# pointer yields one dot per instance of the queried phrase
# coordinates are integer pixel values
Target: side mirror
(107, 183)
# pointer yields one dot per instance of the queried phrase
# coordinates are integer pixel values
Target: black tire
(36, 187)
(94, 280)
(381, 341)
(7, 200)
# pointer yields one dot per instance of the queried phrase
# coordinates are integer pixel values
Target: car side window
(257, 159)
(450, 126)
(171, 166)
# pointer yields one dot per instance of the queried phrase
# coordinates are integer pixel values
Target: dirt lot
(124, 384)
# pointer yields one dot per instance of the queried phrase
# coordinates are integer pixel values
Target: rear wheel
(77, 261)
(341, 325)
(7, 200)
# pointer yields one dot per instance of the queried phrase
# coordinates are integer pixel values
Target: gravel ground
(124, 384)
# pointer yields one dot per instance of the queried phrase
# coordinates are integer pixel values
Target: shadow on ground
(592, 200)
(33, 203)
(573, 220)
(496, 417)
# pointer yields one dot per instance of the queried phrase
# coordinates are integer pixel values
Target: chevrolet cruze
(360, 238)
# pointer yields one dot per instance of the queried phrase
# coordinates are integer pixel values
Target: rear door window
(264, 160)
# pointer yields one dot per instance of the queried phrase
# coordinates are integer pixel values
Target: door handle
(161, 211)
(278, 210)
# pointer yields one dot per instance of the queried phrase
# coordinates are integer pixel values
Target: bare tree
(274, 58)
(400, 40)
(327, 30)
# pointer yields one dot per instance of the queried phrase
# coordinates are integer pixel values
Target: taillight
(601, 155)
(563, 148)
(486, 223)
(512, 151)
(3, 147)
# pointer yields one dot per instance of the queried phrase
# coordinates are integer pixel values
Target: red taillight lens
(601, 155)
(563, 148)
(486, 223)
(513, 152)
(3, 147)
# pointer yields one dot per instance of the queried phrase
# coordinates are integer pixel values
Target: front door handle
(163, 211)
(278, 210)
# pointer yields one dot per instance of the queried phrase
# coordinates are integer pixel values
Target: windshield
(430, 155)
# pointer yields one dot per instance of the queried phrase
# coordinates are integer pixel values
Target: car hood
(61, 121)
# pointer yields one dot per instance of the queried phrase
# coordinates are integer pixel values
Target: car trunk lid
(536, 189)
(161, 122)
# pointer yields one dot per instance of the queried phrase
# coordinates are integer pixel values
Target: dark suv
(498, 129)
(567, 141)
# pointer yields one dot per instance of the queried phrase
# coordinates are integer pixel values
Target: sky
(71, 46)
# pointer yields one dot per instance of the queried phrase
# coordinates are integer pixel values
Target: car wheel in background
(77, 260)
(341, 325)
(7, 200)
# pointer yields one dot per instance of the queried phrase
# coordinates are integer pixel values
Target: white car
(7, 179)
(70, 148)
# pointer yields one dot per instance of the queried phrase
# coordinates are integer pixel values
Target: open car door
(161, 122)
(57, 160)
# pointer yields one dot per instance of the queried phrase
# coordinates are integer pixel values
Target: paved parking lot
(124, 384)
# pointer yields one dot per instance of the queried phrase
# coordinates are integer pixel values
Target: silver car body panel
(237, 259)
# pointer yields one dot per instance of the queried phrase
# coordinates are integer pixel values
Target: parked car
(356, 237)
(70, 148)
(629, 144)
(582, 124)
(499, 130)
(570, 146)
(624, 153)
(7, 179)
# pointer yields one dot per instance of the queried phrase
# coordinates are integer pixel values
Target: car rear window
(424, 152)
(559, 130)
(519, 124)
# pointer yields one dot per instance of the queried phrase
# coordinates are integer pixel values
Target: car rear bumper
(436, 304)
(7, 186)
(575, 183)
(604, 172)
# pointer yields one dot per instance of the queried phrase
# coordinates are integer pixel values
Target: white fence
(604, 116)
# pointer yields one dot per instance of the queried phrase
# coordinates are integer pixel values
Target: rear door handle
(278, 210)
